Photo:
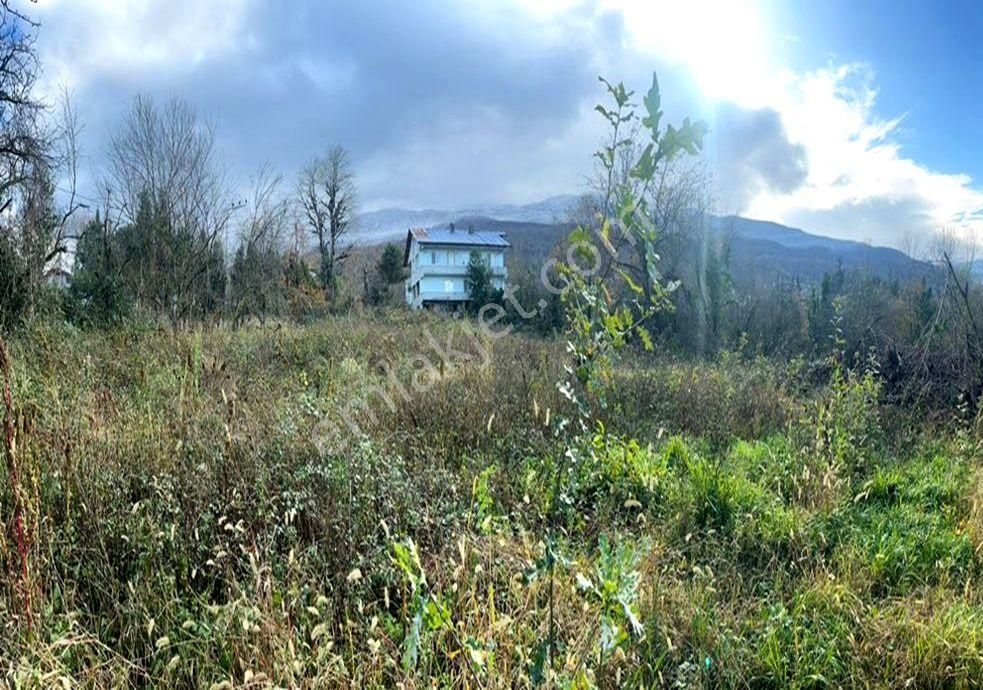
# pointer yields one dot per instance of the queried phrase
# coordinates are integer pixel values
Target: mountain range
(759, 250)
(388, 224)
(762, 250)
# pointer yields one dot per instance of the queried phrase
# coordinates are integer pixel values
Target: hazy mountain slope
(392, 223)
(761, 251)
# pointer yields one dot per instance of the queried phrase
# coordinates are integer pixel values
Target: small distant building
(59, 272)
(438, 260)
(59, 278)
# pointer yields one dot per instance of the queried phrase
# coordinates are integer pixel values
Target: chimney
(452, 227)
(470, 229)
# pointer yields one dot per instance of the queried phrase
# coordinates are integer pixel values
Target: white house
(438, 260)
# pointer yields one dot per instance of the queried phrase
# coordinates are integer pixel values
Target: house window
(433, 258)
(448, 286)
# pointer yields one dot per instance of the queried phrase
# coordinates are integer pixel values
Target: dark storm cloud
(385, 79)
(752, 153)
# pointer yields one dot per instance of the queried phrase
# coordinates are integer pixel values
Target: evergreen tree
(478, 284)
(257, 283)
(13, 285)
(96, 292)
(388, 271)
(390, 267)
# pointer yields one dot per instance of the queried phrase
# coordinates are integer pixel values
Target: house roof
(464, 238)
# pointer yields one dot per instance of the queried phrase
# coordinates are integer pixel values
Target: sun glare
(723, 44)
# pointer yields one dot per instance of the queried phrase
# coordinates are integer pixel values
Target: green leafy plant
(613, 586)
(483, 506)
(427, 614)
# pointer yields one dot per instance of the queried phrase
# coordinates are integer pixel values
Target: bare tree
(257, 276)
(21, 135)
(21, 145)
(266, 212)
(327, 197)
(164, 179)
(56, 221)
(168, 154)
(911, 243)
(38, 151)
(38, 223)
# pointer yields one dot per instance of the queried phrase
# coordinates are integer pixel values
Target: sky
(854, 120)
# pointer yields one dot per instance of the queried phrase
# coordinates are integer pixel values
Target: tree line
(156, 240)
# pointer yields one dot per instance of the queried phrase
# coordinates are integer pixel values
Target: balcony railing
(447, 270)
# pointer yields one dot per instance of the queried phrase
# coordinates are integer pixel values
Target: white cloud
(855, 160)
(96, 37)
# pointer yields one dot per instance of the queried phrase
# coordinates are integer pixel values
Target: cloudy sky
(859, 122)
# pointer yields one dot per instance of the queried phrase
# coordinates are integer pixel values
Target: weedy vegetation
(186, 523)
(273, 505)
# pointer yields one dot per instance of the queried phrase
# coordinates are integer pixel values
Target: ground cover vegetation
(232, 470)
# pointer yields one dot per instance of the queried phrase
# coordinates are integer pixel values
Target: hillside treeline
(165, 235)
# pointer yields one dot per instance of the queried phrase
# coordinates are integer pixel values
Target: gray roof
(465, 238)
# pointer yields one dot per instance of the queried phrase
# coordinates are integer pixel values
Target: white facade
(437, 270)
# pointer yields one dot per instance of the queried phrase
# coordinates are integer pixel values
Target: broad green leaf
(653, 104)
(644, 169)
(606, 238)
(608, 115)
(539, 666)
(619, 93)
(580, 234)
(412, 645)
(436, 615)
(688, 138)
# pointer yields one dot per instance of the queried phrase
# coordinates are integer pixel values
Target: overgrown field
(197, 512)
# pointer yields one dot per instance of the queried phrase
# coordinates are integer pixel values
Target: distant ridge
(763, 250)
(760, 250)
(392, 223)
